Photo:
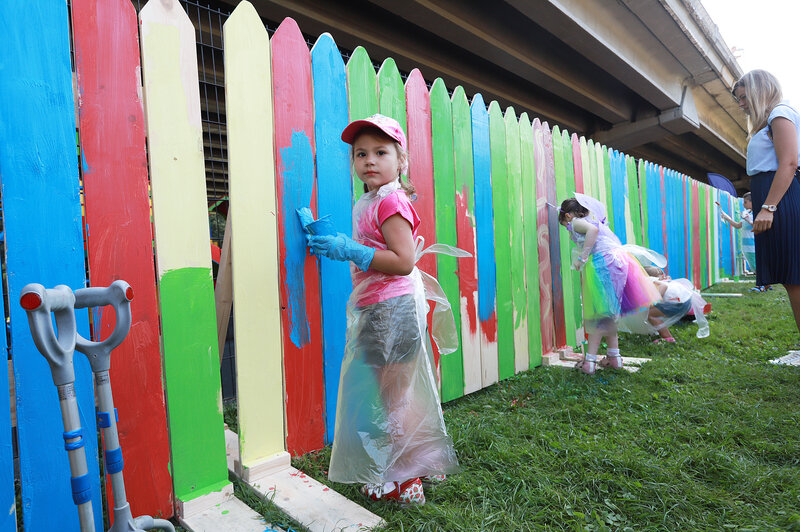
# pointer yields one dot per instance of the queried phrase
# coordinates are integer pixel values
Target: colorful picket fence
(487, 181)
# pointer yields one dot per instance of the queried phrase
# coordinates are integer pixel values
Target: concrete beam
(497, 36)
(615, 39)
(382, 36)
(676, 121)
(683, 28)
(720, 128)
(582, 64)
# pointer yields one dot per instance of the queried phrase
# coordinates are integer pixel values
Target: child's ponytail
(573, 207)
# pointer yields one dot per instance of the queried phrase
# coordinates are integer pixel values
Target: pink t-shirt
(381, 286)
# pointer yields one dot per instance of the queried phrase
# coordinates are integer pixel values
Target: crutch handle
(35, 296)
(118, 295)
(39, 302)
(118, 292)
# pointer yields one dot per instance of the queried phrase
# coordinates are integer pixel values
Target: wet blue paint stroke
(334, 199)
(45, 245)
(298, 183)
(484, 212)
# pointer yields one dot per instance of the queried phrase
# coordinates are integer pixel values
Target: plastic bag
(681, 292)
(389, 423)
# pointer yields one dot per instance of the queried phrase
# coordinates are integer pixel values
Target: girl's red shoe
(408, 492)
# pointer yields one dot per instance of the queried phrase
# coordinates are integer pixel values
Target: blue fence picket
(676, 224)
(685, 213)
(654, 210)
(44, 244)
(333, 198)
(688, 238)
(673, 250)
(681, 215)
(619, 194)
(725, 247)
(484, 222)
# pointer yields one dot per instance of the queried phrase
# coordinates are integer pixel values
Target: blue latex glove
(341, 247)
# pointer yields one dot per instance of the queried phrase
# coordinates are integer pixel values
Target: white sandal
(611, 361)
(587, 367)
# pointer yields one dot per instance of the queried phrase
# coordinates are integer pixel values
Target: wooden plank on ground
(467, 238)
(299, 280)
(484, 221)
(516, 242)
(502, 248)
(120, 240)
(333, 170)
(43, 243)
(229, 514)
(317, 507)
(252, 223)
(183, 258)
(447, 223)
(529, 218)
(631, 364)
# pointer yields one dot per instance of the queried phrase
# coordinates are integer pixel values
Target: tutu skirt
(614, 284)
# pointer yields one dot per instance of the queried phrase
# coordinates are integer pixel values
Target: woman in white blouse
(773, 149)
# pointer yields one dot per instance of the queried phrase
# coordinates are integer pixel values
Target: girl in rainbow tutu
(613, 282)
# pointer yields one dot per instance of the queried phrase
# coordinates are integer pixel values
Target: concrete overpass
(649, 77)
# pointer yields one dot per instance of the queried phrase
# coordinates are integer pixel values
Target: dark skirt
(778, 249)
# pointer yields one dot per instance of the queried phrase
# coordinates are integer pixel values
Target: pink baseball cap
(388, 125)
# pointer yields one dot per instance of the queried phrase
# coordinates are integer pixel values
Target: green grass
(706, 436)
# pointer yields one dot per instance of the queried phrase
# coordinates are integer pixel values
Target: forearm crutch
(118, 295)
(39, 302)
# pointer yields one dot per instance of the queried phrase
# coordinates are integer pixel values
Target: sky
(763, 34)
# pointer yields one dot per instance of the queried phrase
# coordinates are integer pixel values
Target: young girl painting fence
(390, 434)
(613, 283)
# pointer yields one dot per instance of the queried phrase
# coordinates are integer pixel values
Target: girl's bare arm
(399, 258)
(582, 226)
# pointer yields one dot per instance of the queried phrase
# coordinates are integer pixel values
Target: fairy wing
(596, 209)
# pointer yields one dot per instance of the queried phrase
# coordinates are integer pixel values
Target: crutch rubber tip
(30, 301)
